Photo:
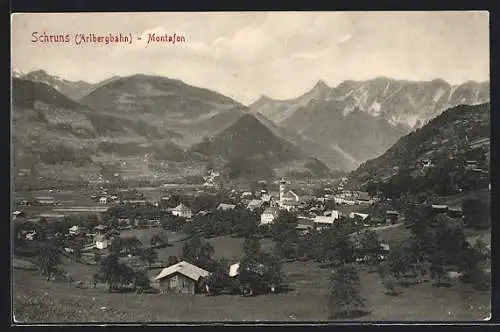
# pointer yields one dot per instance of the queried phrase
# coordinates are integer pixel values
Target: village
(254, 239)
(95, 228)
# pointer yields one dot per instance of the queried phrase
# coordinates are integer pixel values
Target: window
(173, 281)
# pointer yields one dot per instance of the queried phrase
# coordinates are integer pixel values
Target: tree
(159, 240)
(370, 244)
(476, 214)
(172, 260)
(251, 247)
(344, 299)
(470, 266)
(437, 267)
(78, 244)
(47, 260)
(284, 227)
(149, 255)
(117, 245)
(109, 270)
(336, 245)
(40, 229)
(197, 252)
(372, 188)
(95, 279)
(141, 281)
(131, 244)
(390, 286)
(219, 277)
(398, 261)
(273, 274)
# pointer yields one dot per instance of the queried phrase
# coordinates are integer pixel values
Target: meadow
(36, 300)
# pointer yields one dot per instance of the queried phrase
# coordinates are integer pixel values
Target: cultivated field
(35, 299)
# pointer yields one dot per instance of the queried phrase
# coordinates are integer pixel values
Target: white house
(74, 230)
(225, 207)
(234, 270)
(363, 216)
(265, 197)
(101, 242)
(327, 219)
(103, 200)
(246, 194)
(31, 235)
(17, 214)
(268, 216)
(182, 211)
(255, 204)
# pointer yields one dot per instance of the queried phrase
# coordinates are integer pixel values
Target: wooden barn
(181, 278)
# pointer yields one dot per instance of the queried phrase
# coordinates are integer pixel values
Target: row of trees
(258, 272)
(436, 245)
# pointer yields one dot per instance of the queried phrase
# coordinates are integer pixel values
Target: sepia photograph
(258, 167)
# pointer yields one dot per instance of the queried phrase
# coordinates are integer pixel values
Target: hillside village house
(327, 219)
(344, 200)
(265, 197)
(100, 229)
(304, 225)
(362, 197)
(226, 207)
(45, 200)
(103, 200)
(267, 217)
(181, 278)
(74, 230)
(363, 216)
(483, 142)
(439, 208)
(392, 216)
(100, 242)
(255, 204)
(17, 214)
(182, 211)
(455, 212)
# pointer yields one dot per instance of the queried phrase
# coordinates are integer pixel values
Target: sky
(244, 55)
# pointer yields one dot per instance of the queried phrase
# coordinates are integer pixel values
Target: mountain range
(364, 118)
(55, 136)
(73, 90)
(157, 128)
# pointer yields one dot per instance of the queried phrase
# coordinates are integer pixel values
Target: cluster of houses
(314, 216)
(186, 278)
(99, 238)
(311, 210)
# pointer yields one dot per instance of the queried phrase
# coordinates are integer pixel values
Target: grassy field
(483, 195)
(36, 300)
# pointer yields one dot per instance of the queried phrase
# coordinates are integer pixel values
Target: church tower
(283, 189)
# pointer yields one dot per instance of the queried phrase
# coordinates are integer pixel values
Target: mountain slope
(280, 110)
(444, 140)
(358, 134)
(143, 94)
(73, 89)
(248, 143)
(333, 157)
(361, 119)
(168, 104)
(55, 137)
